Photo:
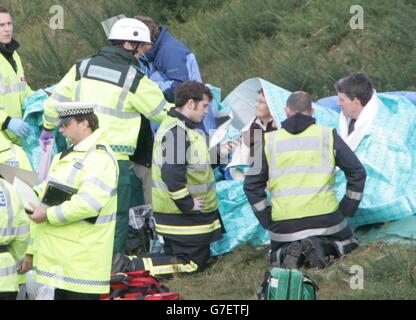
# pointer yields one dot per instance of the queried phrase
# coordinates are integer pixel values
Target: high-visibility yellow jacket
(301, 173)
(14, 233)
(13, 91)
(13, 155)
(73, 248)
(200, 183)
(112, 81)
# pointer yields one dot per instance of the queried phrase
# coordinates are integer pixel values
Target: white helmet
(128, 29)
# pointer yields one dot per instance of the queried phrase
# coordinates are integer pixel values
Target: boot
(315, 253)
(293, 255)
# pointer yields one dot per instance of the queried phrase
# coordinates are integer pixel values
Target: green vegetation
(389, 273)
(297, 44)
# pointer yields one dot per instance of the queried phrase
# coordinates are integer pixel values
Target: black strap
(143, 291)
(310, 281)
(262, 291)
(4, 249)
(289, 283)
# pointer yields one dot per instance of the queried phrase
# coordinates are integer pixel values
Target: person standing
(13, 86)
(14, 235)
(112, 80)
(74, 239)
(168, 62)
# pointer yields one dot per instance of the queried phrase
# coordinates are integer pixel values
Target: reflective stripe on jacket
(14, 233)
(302, 173)
(13, 91)
(112, 81)
(200, 177)
(13, 155)
(73, 248)
(200, 183)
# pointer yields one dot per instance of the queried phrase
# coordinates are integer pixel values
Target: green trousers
(129, 194)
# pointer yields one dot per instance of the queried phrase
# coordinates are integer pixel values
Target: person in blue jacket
(168, 62)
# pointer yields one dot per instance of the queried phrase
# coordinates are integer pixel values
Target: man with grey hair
(306, 223)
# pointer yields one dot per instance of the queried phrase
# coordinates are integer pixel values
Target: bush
(297, 44)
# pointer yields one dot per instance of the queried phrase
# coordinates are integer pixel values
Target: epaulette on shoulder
(101, 147)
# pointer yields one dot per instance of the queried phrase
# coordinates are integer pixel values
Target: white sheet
(362, 125)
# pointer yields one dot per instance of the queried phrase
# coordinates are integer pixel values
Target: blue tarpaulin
(388, 152)
(33, 112)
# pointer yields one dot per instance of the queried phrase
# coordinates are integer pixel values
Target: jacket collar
(89, 142)
(120, 54)
(10, 48)
(265, 127)
(298, 123)
(152, 53)
(176, 114)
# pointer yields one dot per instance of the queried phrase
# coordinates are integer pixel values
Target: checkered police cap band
(75, 112)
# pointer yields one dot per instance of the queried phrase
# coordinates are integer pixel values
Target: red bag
(135, 285)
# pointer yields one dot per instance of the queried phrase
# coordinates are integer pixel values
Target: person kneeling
(183, 194)
(306, 223)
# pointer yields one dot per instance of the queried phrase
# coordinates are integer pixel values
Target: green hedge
(297, 44)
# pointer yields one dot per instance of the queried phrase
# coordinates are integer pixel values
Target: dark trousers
(8, 295)
(177, 253)
(123, 206)
(197, 253)
(61, 294)
(328, 245)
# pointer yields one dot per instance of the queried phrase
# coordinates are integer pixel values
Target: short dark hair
(153, 27)
(3, 9)
(91, 118)
(299, 101)
(117, 43)
(191, 89)
(357, 86)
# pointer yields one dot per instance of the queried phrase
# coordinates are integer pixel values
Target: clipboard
(55, 194)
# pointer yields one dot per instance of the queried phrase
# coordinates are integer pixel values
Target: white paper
(26, 194)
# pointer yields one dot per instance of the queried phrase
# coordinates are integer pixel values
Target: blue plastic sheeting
(388, 152)
(33, 106)
(330, 102)
(242, 101)
(277, 98)
(240, 222)
(402, 231)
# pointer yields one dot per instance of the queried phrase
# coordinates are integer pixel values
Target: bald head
(299, 102)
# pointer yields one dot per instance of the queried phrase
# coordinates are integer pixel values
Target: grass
(389, 273)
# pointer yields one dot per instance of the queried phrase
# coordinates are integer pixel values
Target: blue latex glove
(19, 127)
(46, 138)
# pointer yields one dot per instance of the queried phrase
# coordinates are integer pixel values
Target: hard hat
(108, 24)
(129, 29)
